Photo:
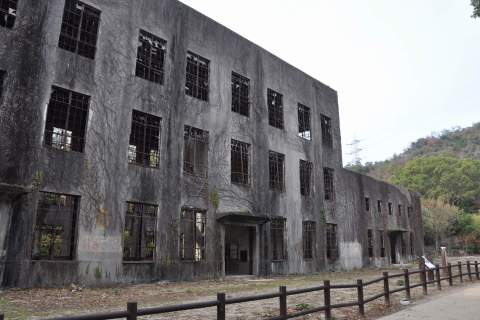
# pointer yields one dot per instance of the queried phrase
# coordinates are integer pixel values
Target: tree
(456, 181)
(476, 8)
(439, 219)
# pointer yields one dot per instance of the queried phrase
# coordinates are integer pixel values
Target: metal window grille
(275, 109)
(328, 183)
(305, 177)
(240, 94)
(192, 234)
(370, 243)
(332, 243)
(139, 235)
(144, 140)
(379, 206)
(390, 208)
(195, 152)
(66, 121)
(150, 57)
(55, 226)
(277, 230)
(79, 28)
(276, 171)
(367, 204)
(309, 237)
(327, 136)
(240, 162)
(382, 243)
(8, 13)
(197, 76)
(304, 127)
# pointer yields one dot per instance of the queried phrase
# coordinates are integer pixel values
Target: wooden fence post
(283, 301)
(450, 279)
(386, 289)
(407, 283)
(424, 280)
(326, 299)
(361, 303)
(459, 264)
(132, 311)
(476, 270)
(221, 306)
(469, 270)
(437, 275)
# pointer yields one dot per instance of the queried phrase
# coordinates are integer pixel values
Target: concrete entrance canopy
(245, 217)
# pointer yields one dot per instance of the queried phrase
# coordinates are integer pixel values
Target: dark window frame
(306, 181)
(370, 243)
(381, 235)
(276, 169)
(409, 211)
(140, 213)
(379, 206)
(197, 79)
(3, 76)
(403, 245)
(275, 109)
(240, 94)
(327, 134)
(198, 225)
(329, 183)
(41, 229)
(8, 13)
(151, 54)
(195, 147)
(367, 204)
(309, 239)
(278, 226)
(67, 120)
(145, 134)
(331, 241)
(240, 162)
(79, 29)
(304, 122)
(412, 244)
(400, 208)
(390, 208)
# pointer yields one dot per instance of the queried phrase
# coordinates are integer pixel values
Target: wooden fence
(450, 273)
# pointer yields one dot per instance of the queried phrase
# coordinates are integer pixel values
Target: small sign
(428, 264)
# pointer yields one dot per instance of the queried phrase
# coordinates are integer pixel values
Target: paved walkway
(452, 304)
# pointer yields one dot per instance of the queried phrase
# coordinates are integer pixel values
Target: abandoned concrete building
(141, 141)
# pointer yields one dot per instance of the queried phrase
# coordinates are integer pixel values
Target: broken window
(240, 94)
(409, 211)
(192, 234)
(276, 171)
(150, 57)
(382, 243)
(370, 243)
(399, 209)
(144, 140)
(305, 177)
(328, 183)
(197, 76)
(240, 158)
(79, 28)
(2, 80)
(66, 120)
(8, 13)
(332, 243)
(195, 151)
(379, 206)
(304, 128)
(411, 244)
(327, 137)
(390, 208)
(275, 109)
(367, 204)
(55, 226)
(308, 239)
(277, 229)
(139, 240)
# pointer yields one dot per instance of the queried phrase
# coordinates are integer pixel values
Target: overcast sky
(402, 69)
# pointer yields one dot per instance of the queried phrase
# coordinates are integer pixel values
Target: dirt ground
(44, 303)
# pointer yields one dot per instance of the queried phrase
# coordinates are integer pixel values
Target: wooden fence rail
(132, 311)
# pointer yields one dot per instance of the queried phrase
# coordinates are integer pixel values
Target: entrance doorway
(239, 249)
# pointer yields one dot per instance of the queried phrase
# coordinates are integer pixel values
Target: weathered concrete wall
(105, 181)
